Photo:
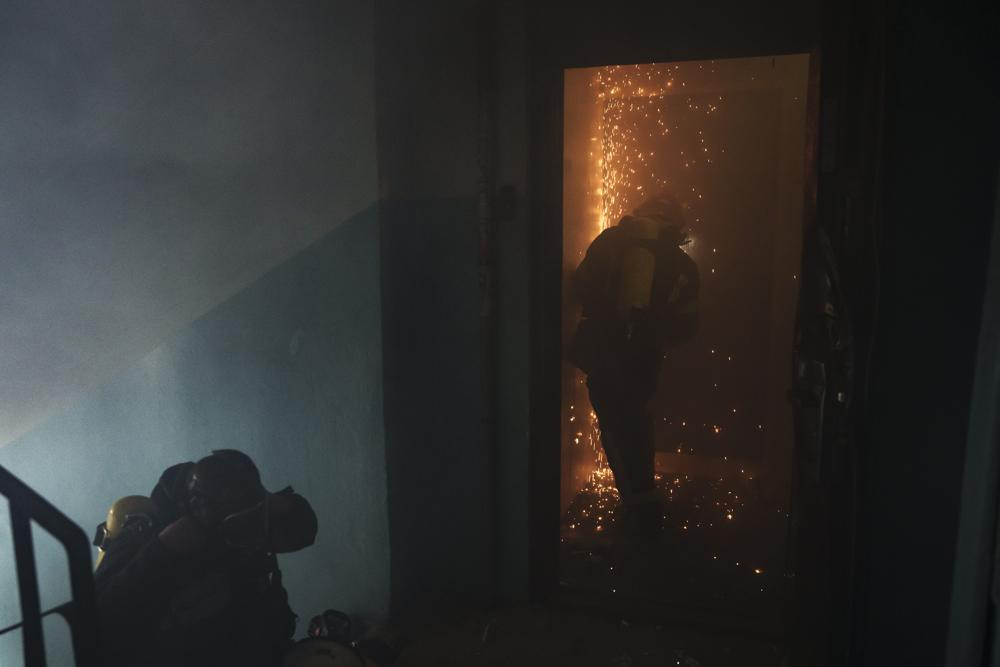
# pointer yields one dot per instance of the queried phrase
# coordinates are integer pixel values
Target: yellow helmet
(123, 512)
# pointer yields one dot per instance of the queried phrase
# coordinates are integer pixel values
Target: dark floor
(718, 549)
(524, 637)
(708, 590)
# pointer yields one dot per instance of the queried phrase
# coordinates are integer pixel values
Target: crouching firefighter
(189, 575)
(639, 292)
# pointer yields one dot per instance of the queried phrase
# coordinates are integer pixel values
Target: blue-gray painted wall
(157, 158)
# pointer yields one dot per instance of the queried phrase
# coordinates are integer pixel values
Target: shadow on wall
(290, 371)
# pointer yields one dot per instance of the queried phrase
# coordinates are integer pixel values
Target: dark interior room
(499, 334)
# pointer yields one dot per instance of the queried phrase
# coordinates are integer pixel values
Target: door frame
(555, 44)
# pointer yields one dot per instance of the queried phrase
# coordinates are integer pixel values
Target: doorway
(727, 140)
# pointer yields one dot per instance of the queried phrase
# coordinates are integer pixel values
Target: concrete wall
(439, 465)
(288, 371)
(936, 226)
(157, 158)
(451, 99)
(512, 471)
(352, 371)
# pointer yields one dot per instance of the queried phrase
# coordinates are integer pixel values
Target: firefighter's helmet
(136, 512)
(668, 213)
(664, 207)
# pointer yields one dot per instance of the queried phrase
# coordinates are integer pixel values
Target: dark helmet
(225, 482)
(665, 209)
(239, 467)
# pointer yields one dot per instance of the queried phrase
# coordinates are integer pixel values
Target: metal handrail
(81, 612)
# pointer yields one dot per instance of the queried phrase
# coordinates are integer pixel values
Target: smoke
(156, 157)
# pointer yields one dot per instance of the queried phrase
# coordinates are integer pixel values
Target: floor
(719, 547)
(525, 637)
(709, 589)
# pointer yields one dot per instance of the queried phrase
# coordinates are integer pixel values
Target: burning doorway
(726, 139)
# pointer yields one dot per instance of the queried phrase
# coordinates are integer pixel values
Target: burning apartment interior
(343, 239)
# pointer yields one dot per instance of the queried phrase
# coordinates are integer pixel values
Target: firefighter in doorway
(189, 576)
(639, 292)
